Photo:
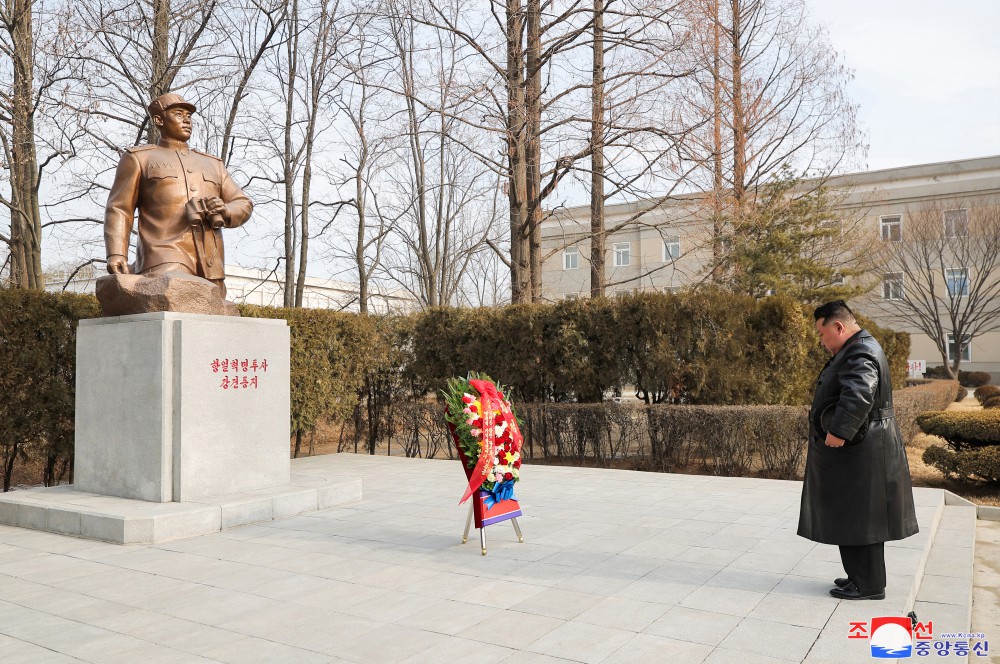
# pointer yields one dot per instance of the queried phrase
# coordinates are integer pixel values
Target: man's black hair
(836, 310)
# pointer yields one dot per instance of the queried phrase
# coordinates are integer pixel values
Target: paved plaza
(617, 566)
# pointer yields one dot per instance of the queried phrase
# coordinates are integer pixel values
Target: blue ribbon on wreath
(502, 491)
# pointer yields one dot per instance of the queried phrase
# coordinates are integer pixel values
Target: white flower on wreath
(500, 428)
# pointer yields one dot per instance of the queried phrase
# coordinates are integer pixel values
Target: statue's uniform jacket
(159, 180)
(860, 493)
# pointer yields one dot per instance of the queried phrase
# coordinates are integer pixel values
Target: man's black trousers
(865, 566)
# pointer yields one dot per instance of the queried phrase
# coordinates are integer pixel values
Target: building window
(892, 228)
(671, 248)
(956, 223)
(571, 258)
(966, 348)
(892, 286)
(831, 230)
(571, 296)
(623, 254)
(958, 281)
(838, 280)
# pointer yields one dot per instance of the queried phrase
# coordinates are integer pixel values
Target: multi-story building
(666, 245)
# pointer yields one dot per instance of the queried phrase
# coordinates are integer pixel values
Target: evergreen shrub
(963, 429)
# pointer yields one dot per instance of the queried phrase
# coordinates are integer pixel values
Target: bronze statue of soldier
(185, 198)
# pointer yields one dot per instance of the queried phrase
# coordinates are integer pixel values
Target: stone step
(66, 511)
(944, 595)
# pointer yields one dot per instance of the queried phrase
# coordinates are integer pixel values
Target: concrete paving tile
(22, 652)
(558, 603)
(187, 636)
(730, 542)
(124, 586)
(525, 657)
(340, 597)
(446, 616)
(766, 562)
(946, 617)
(249, 650)
(744, 579)
(581, 642)
(500, 594)
(511, 629)
(683, 572)
(661, 592)
(391, 607)
(808, 588)
(705, 556)
(622, 613)
(324, 632)
(794, 611)
(944, 590)
(651, 649)
(947, 560)
(575, 558)
(726, 656)
(695, 625)
(50, 568)
(723, 600)
(747, 530)
(771, 639)
(455, 649)
(388, 646)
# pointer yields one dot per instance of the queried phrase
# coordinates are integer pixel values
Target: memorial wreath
(485, 429)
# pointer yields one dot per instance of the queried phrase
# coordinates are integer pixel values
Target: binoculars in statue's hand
(197, 213)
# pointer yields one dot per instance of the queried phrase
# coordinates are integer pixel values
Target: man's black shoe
(841, 582)
(850, 591)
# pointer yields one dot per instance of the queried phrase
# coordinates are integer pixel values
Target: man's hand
(214, 205)
(833, 441)
(117, 264)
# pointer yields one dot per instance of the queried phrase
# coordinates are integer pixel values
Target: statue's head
(172, 116)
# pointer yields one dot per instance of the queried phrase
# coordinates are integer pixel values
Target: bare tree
(305, 70)
(942, 273)
(769, 92)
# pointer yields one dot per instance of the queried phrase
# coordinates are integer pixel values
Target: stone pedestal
(181, 407)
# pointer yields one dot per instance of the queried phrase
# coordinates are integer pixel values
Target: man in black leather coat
(857, 492)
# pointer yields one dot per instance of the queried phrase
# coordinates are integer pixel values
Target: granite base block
(66, 511)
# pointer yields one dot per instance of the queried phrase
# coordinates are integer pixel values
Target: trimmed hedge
(979, 463)
(962, 394)
(963, 429)
(38, 379)
(966, 378)
(992, 402)
(706, 347)
(986, 392)
(908, 404)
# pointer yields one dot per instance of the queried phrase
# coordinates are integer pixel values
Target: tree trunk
(25, 214)
(597, 238)
(159, 58)
(739, 121)
(292, 53)
(359, 249)
(717, 149)
(520, 287)
(533, 146)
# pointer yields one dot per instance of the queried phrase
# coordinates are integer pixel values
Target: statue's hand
(117, 264)
(215, 206)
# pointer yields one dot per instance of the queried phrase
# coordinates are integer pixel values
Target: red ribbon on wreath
(488, 395)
